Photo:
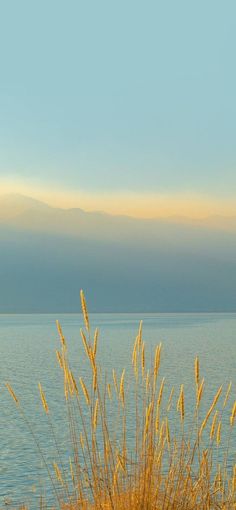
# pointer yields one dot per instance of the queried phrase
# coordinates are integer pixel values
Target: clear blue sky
(128, 95)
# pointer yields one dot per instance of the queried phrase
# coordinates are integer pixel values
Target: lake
(27, 356)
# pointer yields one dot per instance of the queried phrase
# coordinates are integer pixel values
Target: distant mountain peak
(14, 205)
(18, 199)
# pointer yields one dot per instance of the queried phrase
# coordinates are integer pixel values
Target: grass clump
(133, 449)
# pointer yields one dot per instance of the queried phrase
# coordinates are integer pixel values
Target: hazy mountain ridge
(27, 213)
(124, 264)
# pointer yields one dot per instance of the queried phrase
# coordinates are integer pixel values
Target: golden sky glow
(140, 205)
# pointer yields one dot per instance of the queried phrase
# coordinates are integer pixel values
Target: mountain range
(124, 264)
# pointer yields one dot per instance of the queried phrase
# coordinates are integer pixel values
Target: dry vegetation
(160, 468)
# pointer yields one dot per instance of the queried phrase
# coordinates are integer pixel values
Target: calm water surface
(27, 356)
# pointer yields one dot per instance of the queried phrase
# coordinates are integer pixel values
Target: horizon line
(124, 313)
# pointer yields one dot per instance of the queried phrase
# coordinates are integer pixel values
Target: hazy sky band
(142, 204)
(125, 98)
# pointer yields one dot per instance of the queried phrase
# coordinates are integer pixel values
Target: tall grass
(127, 454)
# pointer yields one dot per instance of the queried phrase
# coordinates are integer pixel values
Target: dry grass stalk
(115, 380)
(170, 399)
(182, 403)
(215, 400)
(109, 391)
(147, 420)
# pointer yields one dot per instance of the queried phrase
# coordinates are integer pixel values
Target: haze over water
(27, 353)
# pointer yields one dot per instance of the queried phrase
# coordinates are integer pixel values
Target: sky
(126, 106)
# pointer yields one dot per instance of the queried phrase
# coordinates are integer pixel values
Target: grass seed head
(170, 399)
(43, 399)
(12, 393)
(218, 433)
(159, 398)
(143, 358)
(233, 414)
(58, 472)
(213, 426)
(200, 392)
(95, 415)
(60, 332)
(85, 391)
(157, 360)
(140, 334)
(196, 370)
(84, 310)
(121, 391)
(95, 343)
(227, 395)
